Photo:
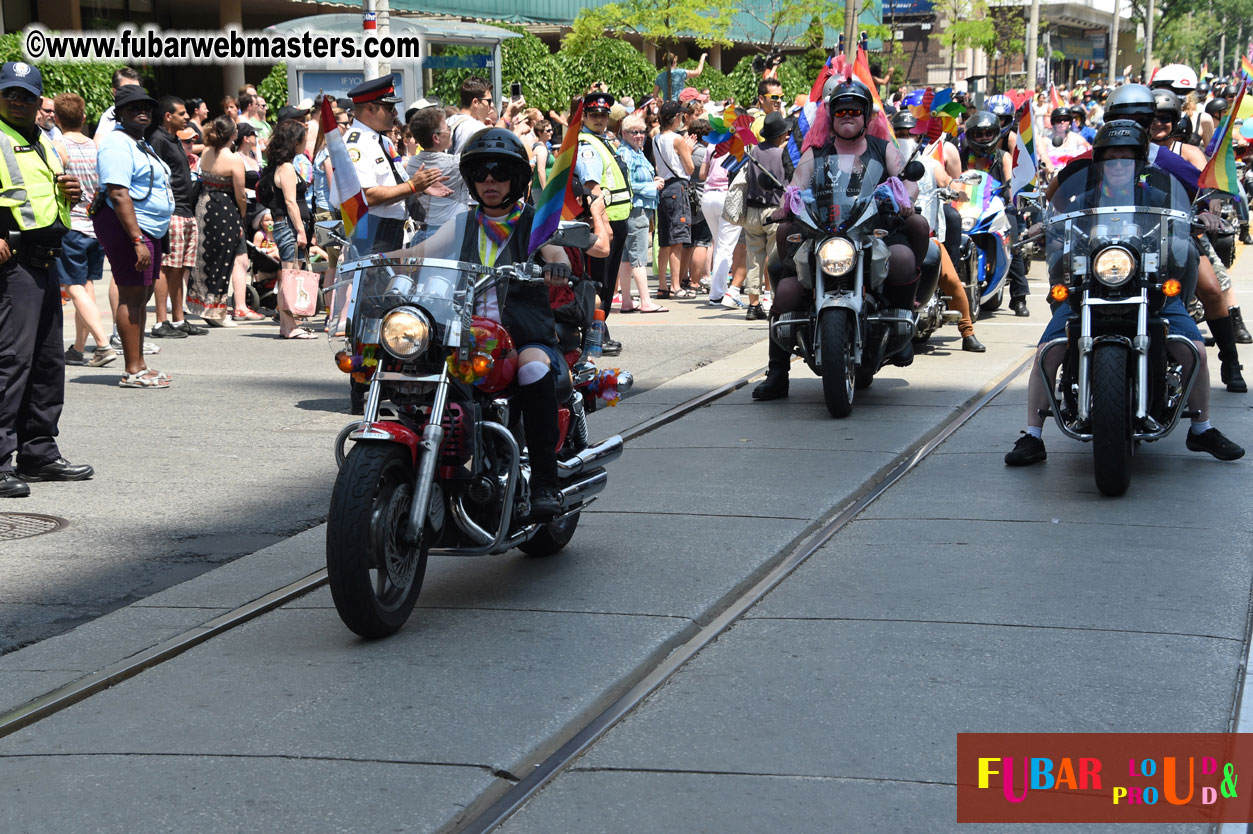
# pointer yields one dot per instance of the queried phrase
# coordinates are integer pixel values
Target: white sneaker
(151, 348)
(731, 299)
(766, 301)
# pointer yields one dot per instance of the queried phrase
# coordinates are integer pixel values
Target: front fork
(1140, 346)
(428, 456)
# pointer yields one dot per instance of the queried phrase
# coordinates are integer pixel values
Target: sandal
(147, 378)
(300, 333)
(247, 315)
(657, 309)
(685, 293)
(661, 294)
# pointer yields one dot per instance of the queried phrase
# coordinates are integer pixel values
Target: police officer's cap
(23, 75)
(379, 90)
(597, 102)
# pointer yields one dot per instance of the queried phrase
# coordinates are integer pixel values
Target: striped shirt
(82, 164)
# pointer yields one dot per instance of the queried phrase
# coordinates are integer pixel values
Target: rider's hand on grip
(556, 274)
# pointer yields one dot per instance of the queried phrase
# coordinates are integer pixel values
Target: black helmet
(903, 120)
(495, 144)
(1121, 133)
(1229, 92)
(1079, 113)
(1203, 88)
(851, 93)
(1061, 114)
(983, 132)
(1167, 104)
(1216, 107)
(1131, 101)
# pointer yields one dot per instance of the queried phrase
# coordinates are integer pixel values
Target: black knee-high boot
(538, 402)
(775, 385)
(1225, 338)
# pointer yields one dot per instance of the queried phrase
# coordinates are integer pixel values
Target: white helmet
(1178, 77)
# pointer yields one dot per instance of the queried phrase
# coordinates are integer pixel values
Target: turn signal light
(1060, 292)
(344, 361)
(1171, 288)
(480, 363)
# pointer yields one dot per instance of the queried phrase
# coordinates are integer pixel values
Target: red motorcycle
(439, 461)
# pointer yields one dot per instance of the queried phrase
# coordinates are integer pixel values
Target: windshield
(428, 276)
(852, 182)
(978, 193)
(1120, 201)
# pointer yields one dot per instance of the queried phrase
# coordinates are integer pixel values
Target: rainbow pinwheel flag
(558, 201)
(345, 187)
(1220, 172)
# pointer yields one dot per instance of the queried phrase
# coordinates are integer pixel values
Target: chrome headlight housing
(968, 222)
(1114, 267)
(837, 256)
(405, 332)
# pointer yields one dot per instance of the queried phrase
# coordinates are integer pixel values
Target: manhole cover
(25, 525)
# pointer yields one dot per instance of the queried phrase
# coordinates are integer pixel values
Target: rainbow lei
(463, 370)
(364, 363)
(605, 386)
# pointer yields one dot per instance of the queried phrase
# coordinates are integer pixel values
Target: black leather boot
(538, 402)
(774, 387)
(1244, 235)
(1225, 339)
(1243, 336)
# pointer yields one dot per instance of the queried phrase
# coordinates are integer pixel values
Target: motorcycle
(1117, 261)
(985, 255)
(438, 465)
(851, 331)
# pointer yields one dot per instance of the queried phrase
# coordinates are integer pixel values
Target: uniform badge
(587, 153)
(21, 70)
(354, 154)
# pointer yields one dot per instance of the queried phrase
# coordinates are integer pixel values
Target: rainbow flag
(1055, 99)
(878, 121)
(1220, 170)
(1023, 173)
(1246, 68)
(345, 187)
(558, 201)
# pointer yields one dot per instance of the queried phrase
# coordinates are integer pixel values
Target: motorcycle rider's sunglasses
(846, 112)
(983, 135)
(19, 95)
(1165, 118)
(496, 169)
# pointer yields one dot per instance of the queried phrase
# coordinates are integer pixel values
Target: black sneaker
(1027, 450)
(165, 330)
(192, 329)
(74, 357)
(755, 313)
(546, 503)
(1213, 441)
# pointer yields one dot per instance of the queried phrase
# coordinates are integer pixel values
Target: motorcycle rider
(496, 167)
(981, 150)
(944, 220)
(1182, 80)
(1121, 139)
(848, 146)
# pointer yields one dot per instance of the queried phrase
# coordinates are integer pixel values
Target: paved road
(970, 597)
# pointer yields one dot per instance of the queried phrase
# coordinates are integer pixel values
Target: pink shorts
(184, 237)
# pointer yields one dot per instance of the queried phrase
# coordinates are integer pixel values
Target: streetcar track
(93, 683)
(492, 813)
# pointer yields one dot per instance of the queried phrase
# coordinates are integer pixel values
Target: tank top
(666, 158)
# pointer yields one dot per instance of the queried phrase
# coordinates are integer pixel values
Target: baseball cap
(186, 133)
(23, 75)
(669, 110)
(692, 94)
(288, 112)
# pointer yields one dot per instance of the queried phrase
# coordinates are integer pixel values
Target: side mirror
(914, 171)
(328, 232)
(573, 233)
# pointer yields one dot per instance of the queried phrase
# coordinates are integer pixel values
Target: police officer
(606, 176)
(38, 195)
(382, 181)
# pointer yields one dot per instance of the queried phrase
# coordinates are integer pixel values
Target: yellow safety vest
(613, 180)
(28, 183)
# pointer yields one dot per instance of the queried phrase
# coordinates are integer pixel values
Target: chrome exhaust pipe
(604, 452)
(594, 483)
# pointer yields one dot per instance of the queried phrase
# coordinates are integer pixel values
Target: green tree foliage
(91, 81)
(783, 19)
(527, 59)
(273, 88)
(656, 21)
(620, 65)
(816, 56)
(966, 24)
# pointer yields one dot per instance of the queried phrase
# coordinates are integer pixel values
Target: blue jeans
(285, 240)
(1180, 323)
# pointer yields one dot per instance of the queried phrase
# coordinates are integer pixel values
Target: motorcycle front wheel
(373, 575)
(971, 280)
(1111, 419)
(839, 368)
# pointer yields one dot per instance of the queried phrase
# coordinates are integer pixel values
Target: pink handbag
(298, 291)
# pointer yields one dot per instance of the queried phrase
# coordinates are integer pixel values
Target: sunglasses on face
(846, 113)
(498, 171)
(775, 96)
(636, 132)
(1165, 119)
(983, 137)
(19, 95)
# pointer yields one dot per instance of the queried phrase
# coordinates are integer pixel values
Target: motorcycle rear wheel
(552, 537)
(839, 368)
(373, 575)
(1112, 443)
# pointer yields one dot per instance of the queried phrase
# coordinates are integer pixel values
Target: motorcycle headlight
(968, 222)
(837, 256)
(1114, 267)
(406, 333)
